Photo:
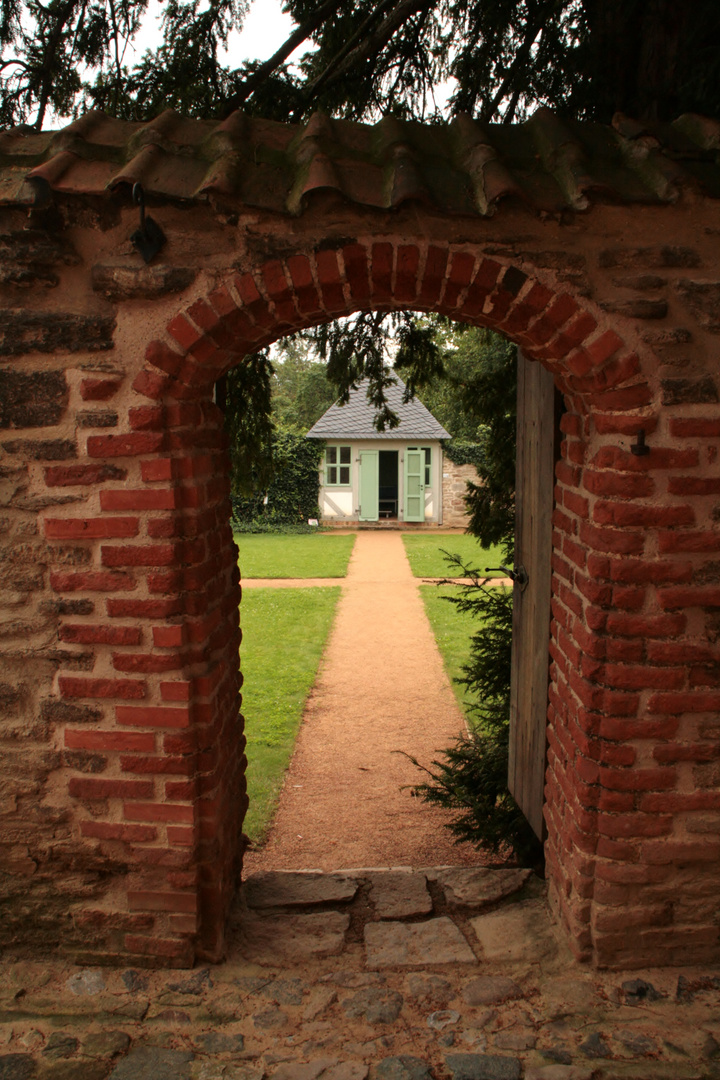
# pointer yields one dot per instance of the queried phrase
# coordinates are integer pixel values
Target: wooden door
(534, 483)
(369, 485)
(414, 485)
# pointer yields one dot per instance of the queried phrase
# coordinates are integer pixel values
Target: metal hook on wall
(138, 198)
(149, 239)
(640, 448)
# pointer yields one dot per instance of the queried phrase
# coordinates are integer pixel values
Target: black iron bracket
(640, 449)
(149, 239)
(518, 575)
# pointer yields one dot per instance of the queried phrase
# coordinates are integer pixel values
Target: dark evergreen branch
(317, 84)
(49, 56)
(519, 61)
(118, 72)
(376, 42)
(300, 34)
(509, 114)
(410, 53)
(76, 35)
(21, 63)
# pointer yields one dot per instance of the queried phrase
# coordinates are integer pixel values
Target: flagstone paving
(354, 976)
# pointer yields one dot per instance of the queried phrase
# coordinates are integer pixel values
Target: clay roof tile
(699, 130)
(462, 168)
(490, 179)
(405, 177)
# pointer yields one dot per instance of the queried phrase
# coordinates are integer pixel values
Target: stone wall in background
(455, 481)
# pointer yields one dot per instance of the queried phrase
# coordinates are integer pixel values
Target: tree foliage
(245, 396)
(469, 383)
(490, 393)
(365, 58)
(368, 345)
(301, 390)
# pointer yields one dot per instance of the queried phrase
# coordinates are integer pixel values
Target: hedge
(292, 496)
(464, 453)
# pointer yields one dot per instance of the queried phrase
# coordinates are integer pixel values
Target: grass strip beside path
(425, 554)
(274, 555)
(452, 629)
(284, 635)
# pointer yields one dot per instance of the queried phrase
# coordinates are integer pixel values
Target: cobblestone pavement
(450, 973)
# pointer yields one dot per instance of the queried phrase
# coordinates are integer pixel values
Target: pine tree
(366, 58)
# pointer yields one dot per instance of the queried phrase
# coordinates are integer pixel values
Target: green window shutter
(369, 485)
(414, 485)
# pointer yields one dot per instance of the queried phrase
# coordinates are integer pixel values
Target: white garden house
(370, 475)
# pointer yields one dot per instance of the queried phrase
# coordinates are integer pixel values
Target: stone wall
(122, 753)
(108, 779)
(455, 481)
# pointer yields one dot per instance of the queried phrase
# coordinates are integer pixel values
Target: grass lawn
(284, 634)
(453, 630)
(425, 554)
(274, 555)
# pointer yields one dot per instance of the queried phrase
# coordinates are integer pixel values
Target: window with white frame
(337, 466)
(426, 451)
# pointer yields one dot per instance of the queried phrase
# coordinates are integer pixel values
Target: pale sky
(266, 27)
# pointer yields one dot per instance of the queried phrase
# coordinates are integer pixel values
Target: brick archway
(122, 758)
(181, 691)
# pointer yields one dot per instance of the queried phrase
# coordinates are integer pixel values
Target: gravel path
(306, 583)
(381, 689)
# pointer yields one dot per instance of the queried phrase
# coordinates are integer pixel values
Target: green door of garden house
(414, 485)
(369, 485)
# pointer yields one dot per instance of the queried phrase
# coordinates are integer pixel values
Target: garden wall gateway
(595, 249)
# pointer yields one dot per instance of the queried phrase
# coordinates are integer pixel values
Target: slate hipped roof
(355, 420)
(464, 167)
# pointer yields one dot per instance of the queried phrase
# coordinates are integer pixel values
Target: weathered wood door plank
(531, 604)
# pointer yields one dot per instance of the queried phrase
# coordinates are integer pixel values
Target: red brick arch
(618, 580)
(254, 309)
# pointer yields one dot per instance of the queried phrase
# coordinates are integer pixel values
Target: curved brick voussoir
(252, 310)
